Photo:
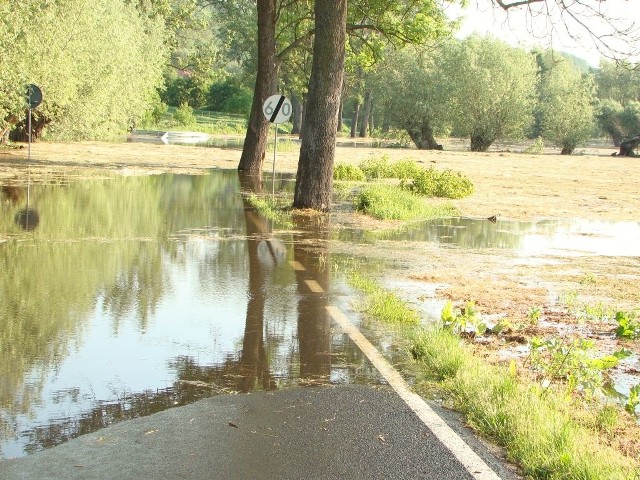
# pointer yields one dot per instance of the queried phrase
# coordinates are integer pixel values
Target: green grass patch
(276, 209)
(383, 304)
(390, 202)
(535, 427)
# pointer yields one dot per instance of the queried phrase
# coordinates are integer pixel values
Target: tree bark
(423, 138)
(366, 114)
(314, 181)
(296, 118)
(480, 143)
(255, 142)
(354, 119)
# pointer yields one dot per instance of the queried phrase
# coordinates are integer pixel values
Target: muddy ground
(508, 184)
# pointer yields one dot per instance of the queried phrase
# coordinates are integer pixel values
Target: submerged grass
(536, 430)
(275, 209)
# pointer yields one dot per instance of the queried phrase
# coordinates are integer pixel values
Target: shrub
(348, 173)
(184, 115)
(446, 183)
(388, 202)
(376, 168)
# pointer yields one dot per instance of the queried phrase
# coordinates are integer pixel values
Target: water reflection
(543, 237)
(142, 293)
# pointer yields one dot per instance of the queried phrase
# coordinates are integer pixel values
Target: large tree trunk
(314, 181)
(366, 114)
(296, 118)
(423, 138)
(480, 143)
(255, 142)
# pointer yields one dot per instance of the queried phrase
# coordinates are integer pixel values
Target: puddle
(572, 237)
(128, 295)
(136, 294)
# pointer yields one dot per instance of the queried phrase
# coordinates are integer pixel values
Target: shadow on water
(137, 294)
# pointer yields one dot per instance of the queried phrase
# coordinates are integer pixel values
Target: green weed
(462, 320)
(272, 208)
(350, 173)
(383, 304)
(628, 327)
(446, 184)
(388, 202)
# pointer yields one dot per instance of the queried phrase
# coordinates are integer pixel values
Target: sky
(527, 28)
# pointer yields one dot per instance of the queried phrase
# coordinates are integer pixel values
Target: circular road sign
(34, 95)
(277, 109)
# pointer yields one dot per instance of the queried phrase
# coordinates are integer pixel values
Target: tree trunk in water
(314, 181)
(354, 119)
(423, 138)
(255, 142)
(366, 114)
(297, 115)
(314, 323)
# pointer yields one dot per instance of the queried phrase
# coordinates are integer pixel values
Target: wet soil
(510, 185)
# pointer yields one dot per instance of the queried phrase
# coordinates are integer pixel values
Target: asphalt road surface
(339, 432)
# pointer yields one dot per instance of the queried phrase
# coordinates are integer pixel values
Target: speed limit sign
(277, 109)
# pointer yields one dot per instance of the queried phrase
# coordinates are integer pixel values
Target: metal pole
(29, 127)
(273, 178)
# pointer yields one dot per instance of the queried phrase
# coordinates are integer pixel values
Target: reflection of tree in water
(312, 278)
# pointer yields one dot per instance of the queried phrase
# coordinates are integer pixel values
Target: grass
(273, 208)
(537, 431)
(390, 202)
(383, 304)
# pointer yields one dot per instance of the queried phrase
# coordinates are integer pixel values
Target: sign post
(34, 98)
(276, 109)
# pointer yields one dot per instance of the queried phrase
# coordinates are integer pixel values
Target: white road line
(471, 461)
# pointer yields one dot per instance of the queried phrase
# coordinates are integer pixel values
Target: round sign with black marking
(34, 95)
(277, 109)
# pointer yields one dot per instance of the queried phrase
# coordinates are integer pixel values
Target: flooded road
(135, 294)
(123, 296)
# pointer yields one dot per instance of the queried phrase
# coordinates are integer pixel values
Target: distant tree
(494, 88)
(618, 81)
(96, 80)
(567, 106)
(609, 116)
(414, 95)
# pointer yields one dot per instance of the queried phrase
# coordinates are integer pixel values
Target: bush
(377, 168)
(446, 184)
(184, 115)
(230, 97)
(348, 173)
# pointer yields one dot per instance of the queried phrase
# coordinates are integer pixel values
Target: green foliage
(566, 106)
(493, 89)
(96, 79)
(534, 429)
(377, 168)
(346, 172)
(634, 399)
(273, 208)
(536, 148)
(383, 304)
(628, 326)
(229, 96)
(534, 315)
(462, 320)
(572, 362)
(446, 184)
(184, 115)
(191, 90)
(388, 202)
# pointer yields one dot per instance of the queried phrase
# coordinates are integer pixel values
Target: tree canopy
(95, 79)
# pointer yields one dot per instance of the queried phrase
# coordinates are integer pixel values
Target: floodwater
(124, 296)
